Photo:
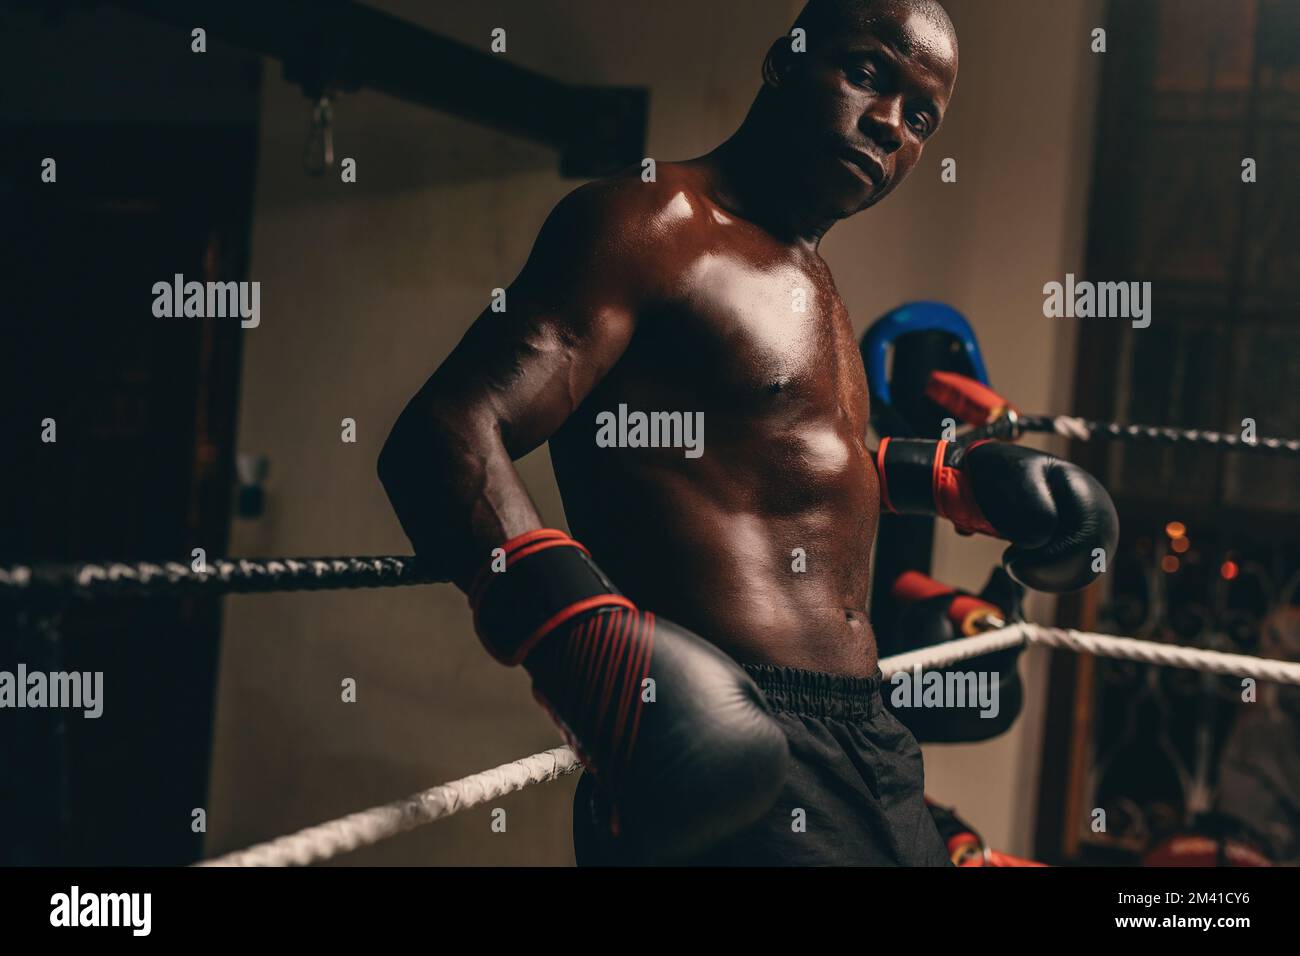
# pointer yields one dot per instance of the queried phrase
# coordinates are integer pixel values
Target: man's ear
(778, 62)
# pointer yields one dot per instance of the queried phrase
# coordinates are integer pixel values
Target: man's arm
(512, 381)
(685, 765)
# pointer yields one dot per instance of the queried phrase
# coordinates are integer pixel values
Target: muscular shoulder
(674, 198)
(624, 222)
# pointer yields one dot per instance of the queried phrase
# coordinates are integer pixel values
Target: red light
(1228, 570)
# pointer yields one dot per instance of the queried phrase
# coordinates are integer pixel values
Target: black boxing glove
(1053, 512)
(935, 613)
(685, 761)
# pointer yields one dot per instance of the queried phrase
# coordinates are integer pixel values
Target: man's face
(861, 105)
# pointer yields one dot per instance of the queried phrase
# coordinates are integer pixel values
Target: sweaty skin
(700, 292)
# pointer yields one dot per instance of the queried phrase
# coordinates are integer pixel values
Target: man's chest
(754, 337)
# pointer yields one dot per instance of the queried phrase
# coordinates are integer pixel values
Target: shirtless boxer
(703, 291)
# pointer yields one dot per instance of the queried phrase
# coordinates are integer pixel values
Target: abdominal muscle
(669, 539)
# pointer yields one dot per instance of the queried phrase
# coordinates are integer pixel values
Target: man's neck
(751, 177)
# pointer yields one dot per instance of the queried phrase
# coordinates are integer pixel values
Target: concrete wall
(366, 287)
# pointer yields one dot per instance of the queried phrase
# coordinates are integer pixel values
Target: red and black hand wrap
(587, 647)
(548, 579)
(591, 682)
(920, 476)
(680, 740)
(1059, 519)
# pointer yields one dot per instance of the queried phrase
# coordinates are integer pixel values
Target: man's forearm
(455, 491)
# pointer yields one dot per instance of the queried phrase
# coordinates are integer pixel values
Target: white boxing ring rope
(367, 827)
(1099, 645)
(379, 823)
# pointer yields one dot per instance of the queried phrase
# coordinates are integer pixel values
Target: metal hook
(318, 156)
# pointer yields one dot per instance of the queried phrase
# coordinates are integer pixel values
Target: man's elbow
(405, 470)
(386, 465)
(395, 457)
(420, 447)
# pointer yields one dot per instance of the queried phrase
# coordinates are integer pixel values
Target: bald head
(824, 19)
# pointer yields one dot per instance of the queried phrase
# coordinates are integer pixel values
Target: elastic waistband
(814, 694)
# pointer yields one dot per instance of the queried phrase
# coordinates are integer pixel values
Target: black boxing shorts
(854, 797)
